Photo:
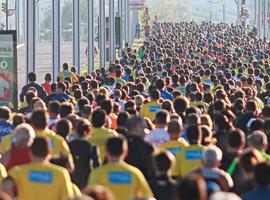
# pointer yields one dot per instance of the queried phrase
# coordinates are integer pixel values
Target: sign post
(8, 69)
(136, 4)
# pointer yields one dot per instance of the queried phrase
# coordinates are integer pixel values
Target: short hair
(262, 172)
(122, 119)
(24, 133)
(155, 94)
(115, 146)
(219, 105)
(82, 102)
(5, 113)
(194, 134)
(29, 96)
(139, 99)
(212, 155)
(86, 111)
(32, 77)
(207, 135)
(73, 118)
(266, 111)
(39, 119)
(53, 87)
(251, 106)
(73, 69)
(167, 105)
(33, 101)
(180, 104)
(63, 127)
(78, 94)
(98, 192)
(164, 161)
(107, 106)
(66, 109)
(175, 127)
(249, 159)
(135, 121)
(48, 77)
(206, 120)
(98, 118)
(162, 117)
(129, 105)
(39, 104)
(160, 84)
(255, 124)
(83, 126)
(65, 66)
(62, 86)
(236, 138)
(99, 98)
(193, 119)
(54, 107)
(40, 147)
(18, 119)
(192, 186)
(258, 140)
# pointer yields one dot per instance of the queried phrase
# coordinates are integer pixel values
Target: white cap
(212, 155)
(224, 196)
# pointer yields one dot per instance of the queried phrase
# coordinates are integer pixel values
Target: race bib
(154, 108)
(209, 82)
(193, 155)
(120, 177)
(40, 177)
(66, 74)
(182, 90)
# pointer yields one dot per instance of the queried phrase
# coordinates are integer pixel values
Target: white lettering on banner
(3, 64)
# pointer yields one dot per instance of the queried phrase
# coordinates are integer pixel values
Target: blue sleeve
(171, 96)
(23, 92)
(43, 93)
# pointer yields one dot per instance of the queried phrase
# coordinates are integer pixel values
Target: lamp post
(101, 37)
(111, 31)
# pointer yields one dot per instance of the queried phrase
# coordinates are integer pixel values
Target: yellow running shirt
(42, 181)
(124, 180)
(99, 138)
(187, 159)
(66, 73)
(6, 143)
(149, 110)
(57, 144)
(3, 172)
(181, 89)
(174, 146)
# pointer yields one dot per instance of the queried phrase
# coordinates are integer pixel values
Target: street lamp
(7, 11)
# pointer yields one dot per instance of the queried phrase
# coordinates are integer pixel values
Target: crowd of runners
(184, 117)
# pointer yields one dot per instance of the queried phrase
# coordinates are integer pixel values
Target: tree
(171, 10)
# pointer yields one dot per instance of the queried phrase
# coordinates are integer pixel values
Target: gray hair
(39, 105)
(257, 140)
(24, 133)
(212, 155)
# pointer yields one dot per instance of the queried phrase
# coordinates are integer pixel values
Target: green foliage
(171, 10)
